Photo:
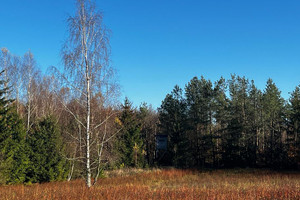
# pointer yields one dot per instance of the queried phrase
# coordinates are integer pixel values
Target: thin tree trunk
(100, 154)
(17, 101)
(88, 36)
(71, 171)
(88, 95)
(28, 109)
(88, 167)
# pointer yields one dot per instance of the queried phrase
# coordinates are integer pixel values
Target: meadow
(168, 184)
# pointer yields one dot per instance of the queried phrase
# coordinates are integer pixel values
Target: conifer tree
(129, 144)
(273, 124)
(47, 161)
(13, 148)
(173, 119)
(254, 126)
(199, 96)
(13, 158)
(221, 115)
(293, 134)
(235, 150)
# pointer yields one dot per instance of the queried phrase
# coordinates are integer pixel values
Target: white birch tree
(88, 74)
(30, 81)
(16, 80)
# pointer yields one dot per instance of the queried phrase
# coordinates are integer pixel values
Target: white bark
(30, 76)
(86, 72)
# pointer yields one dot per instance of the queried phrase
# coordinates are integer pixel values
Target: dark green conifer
(274, 124)
(13, 150)
(47, 161)
(173, 123)
(199, 97)
(129, 144)
(293, 133)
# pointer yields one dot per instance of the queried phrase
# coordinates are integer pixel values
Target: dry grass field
(168, 184)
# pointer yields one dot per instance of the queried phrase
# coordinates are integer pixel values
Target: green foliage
(232, 124)
(172, 117)
(13, 158)
(129, 144)
(293, 134)
(221, 115)
(199, 96)
(47, 161)
(13, 148)
(235, 153)
(274, 123)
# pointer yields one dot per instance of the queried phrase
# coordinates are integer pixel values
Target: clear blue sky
(159, 43)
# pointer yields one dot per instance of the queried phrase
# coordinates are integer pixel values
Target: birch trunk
(87, 69)
(88, 167)
(88, 95)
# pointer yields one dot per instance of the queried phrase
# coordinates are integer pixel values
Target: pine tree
(273, 124)
(199, 95)
(221, 117)
(172, 117)
(235, 141)
(293, 134)
(254, 127)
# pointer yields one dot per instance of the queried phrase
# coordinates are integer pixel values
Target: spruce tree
(129, 144)
(47, 161)
(13, 150)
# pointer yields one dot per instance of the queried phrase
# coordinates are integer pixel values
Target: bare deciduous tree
(89, 76)
(11, 67)
(30, 82)
(15, 79)
(5, 60)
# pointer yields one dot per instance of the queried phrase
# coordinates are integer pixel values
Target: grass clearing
(168, 184)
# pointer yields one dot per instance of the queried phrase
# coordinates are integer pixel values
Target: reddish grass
(168, 184)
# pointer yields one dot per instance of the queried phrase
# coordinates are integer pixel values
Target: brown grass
(168, 184)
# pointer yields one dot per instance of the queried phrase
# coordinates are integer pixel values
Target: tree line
(231, 123)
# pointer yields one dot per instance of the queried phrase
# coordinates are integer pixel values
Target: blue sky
(159, 43)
